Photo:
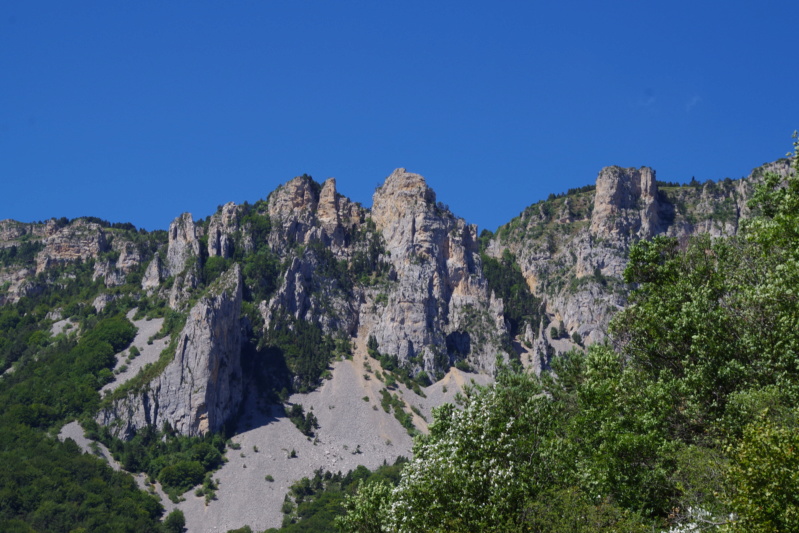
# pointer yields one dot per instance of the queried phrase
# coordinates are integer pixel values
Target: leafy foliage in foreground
(688, 421)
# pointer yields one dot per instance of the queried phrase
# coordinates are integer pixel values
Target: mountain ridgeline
(406, 273)
(252, 307)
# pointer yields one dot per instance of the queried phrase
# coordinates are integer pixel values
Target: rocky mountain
(406, 273)
(261, 304)
(572, 249)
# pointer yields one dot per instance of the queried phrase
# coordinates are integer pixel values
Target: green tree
(175, 522)
(765, 476)
(367, 511)
(479, 465)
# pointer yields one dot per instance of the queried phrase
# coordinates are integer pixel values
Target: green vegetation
(52, 485)
(366, 266)
(393, 402)
(175, 522)
(305, 422)
(505, 278)
(63, 383)
(302, 347)
(688, 421)
(177, 462)
(572, 192)
(396, 371)
(313, 504)
(23, 254)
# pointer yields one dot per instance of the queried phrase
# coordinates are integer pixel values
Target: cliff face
(183, 244)
(625, 204)
(182, 263)
(11, 231)
(78, 241)
(429, 306)
(301, 213)
(407, 272)
(59, 244)
(438, 304)
(221, 231)
(202, 387)
(573, 250)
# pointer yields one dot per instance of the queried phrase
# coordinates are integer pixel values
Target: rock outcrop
(11, 231)
(573, 251)
(430, 306)
(201, 388)
(625, 204)
(221, 231)
(153, 274)
(79, 240)
(439, 305)
(183, 244)
(302, 212)
(182, 259)
(113, 273)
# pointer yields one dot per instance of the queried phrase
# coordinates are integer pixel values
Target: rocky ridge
(573, 250)
(115, 253)
(406, 272)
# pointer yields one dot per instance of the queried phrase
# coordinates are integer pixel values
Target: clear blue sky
(138, 111)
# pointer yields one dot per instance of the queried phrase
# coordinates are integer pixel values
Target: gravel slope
(149, 352)
(352, 432)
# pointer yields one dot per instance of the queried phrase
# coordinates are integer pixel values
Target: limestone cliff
(625, 204)
(183, 244)
(302, 212)
(313, 228)
(429, 306)
(79, 240)
(11, 231)
(439, 304)
(181, 262)
(34, 249)
(221, 231)
(201, 388)
(573, 250)
(114, 271)
(406, 271)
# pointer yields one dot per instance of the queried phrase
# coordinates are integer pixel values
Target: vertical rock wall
(201, 388)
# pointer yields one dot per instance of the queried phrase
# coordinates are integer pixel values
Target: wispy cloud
(692, 103)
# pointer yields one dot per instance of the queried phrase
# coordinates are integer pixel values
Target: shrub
(175, 522)
(182, 475)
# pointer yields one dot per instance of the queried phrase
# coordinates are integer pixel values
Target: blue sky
(139, 111)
